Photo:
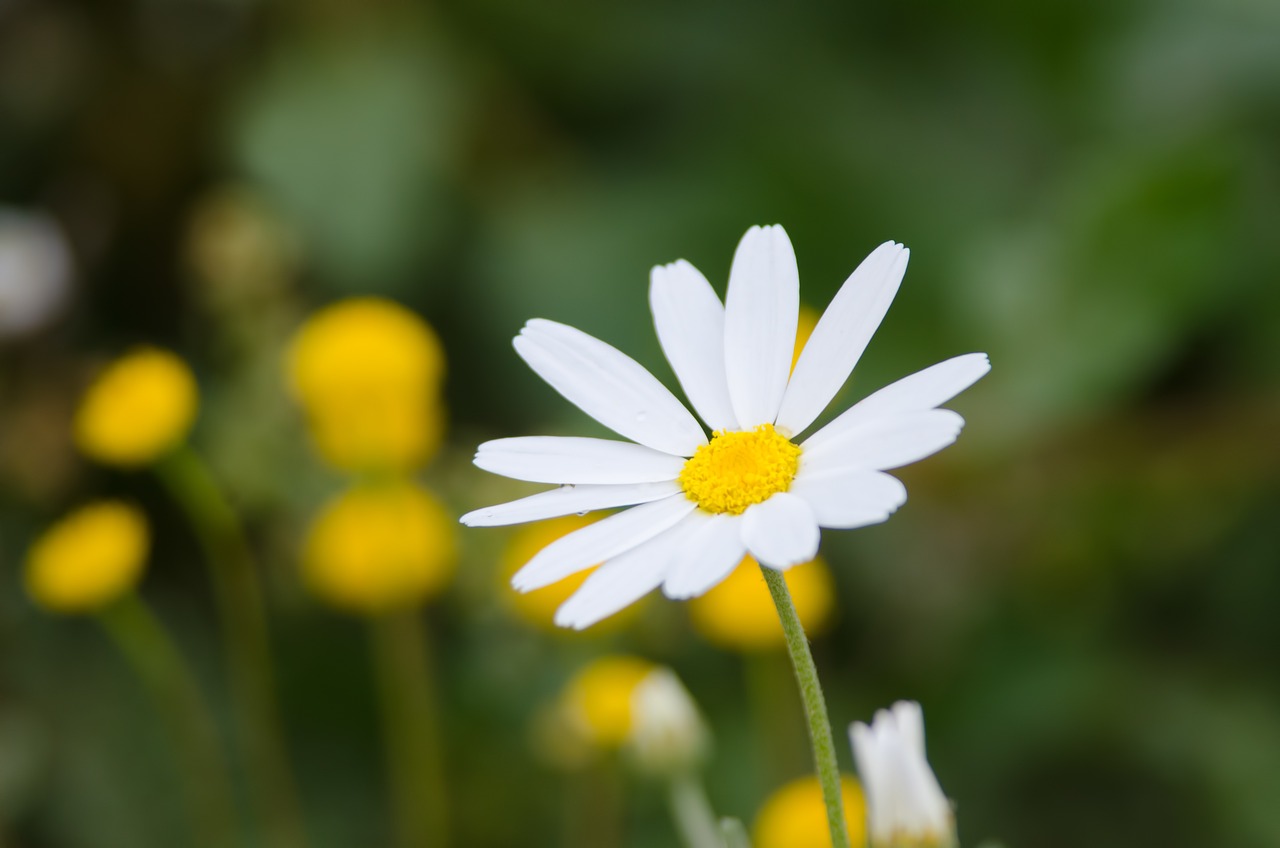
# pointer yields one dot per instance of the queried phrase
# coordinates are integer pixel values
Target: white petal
(885, 443)
(609, 386)
(600, 541)
(575, 459)
(622, 580)
(708, 556)
(844, 499)
(910, 719)
(780, 532)
(762, 307)
(689, 319)
(841, 335)
(923, 390)
(567, 500)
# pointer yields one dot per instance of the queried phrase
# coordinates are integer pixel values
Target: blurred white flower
(667, 733)
(35, 271)
(698, 504)
(906, 807)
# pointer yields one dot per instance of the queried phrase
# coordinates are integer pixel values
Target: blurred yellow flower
(88, 559)
(140, 407)
(380, 547)
(598, 700)
(739, 615)
(796, 817)
(367, 372)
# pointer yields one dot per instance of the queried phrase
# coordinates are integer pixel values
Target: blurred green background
(1082, 592)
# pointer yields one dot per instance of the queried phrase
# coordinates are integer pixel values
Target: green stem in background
(775, 716)
(593, 806)
(691, 810)
(148, 648)
(410, 713)
(734, 834)
(815, 708)
(243, 620)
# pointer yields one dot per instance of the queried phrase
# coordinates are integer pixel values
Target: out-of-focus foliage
(1081, 592)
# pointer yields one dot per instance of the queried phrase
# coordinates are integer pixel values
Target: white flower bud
(906, 807)
(667, 733)
(35, 271)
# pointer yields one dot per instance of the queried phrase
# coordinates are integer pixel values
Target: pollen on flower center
(739, 468)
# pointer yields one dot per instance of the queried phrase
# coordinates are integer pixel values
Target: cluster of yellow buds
(367, 374)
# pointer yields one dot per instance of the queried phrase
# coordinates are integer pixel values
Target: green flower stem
(815, 708)
(148, 648)
(242, 614)
(734, 834)
(692, 813)
(402, 662)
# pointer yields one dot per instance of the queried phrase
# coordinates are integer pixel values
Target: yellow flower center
(739, 468)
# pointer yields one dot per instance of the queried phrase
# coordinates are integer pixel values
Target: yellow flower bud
(88, 559)
(739, 613)
(796, 817)
(598, 700)
(139, 408)
(367, 373)
(380, 547)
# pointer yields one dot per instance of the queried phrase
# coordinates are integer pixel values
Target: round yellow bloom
(367, 372)
(140, 407)
(796, 817)
(380, 547)
(739, 613)
(597, 700)
(88, 559)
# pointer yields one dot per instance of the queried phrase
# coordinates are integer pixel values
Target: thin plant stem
(148, 648)
(593, 806)
(242, 616)
(411, 730)
(734, 834)
(815, 708)
(691, 811)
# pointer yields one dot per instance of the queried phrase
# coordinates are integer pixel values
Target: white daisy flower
(698, 504)
(905, 805)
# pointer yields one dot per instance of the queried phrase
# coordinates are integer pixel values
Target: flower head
(367, 373)
(141, 406)
(380, 547)
(795, 816)
(699, 504)
(598, 700)
(905, 805)
(738, 613)
(624, 703)
(88, 559)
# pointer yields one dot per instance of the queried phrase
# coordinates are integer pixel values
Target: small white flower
(35, 271)
(699, 505)
(905, 804)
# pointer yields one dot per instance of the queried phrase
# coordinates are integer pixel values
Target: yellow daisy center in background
(88, 559)
(739, 468)
(796, 817)
(739, 613)
(380, 547)
(598, 698)
(140, 407)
